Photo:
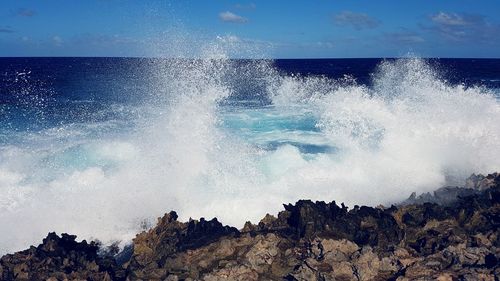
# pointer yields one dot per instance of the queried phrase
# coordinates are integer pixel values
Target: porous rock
(309, 240)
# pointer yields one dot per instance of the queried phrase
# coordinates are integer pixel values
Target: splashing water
(197, 147)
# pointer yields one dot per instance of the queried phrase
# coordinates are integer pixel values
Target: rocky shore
(452, 234)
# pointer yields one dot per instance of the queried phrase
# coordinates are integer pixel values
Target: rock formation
(60, 258)
(307, 241)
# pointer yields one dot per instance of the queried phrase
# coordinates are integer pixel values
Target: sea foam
(314, 138)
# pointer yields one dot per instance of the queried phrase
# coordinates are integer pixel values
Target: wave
(203, 155)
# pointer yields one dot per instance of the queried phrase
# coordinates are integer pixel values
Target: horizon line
(285, 58)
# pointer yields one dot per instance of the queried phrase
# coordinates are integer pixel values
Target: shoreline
(457, 238)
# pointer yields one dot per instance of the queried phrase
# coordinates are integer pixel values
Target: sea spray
(234, 140)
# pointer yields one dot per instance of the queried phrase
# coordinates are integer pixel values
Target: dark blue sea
(99, 147)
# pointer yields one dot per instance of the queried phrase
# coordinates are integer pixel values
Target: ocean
(101, 147)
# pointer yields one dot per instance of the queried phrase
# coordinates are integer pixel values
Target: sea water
(101, 147)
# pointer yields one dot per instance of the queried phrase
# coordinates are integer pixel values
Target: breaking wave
(235, 142)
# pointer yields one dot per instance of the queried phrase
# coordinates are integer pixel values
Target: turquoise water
(96, 150)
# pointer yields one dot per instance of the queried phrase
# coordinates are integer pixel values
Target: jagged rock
(153, 249)
(481, 182)
(450, 194)
(443, 196)
(363, 225)
(307, 241)
(60, 258)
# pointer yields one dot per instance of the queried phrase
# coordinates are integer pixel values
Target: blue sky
(265, 28)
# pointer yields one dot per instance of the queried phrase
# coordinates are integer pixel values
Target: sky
(248, 29)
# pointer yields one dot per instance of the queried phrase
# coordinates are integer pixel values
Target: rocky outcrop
(306, 241)
(480, 182)
(60, 258)
(450, 194)
(155, 251)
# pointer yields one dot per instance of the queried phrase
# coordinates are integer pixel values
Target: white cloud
(463, 27)
(451, 19)
(57, 41)
(357, 20)
(232, 17)
(23, 12)
(321, 44)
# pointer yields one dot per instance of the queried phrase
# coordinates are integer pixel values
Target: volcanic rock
(309, 240)
(60, 258)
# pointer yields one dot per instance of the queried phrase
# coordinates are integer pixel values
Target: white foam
(411, 132)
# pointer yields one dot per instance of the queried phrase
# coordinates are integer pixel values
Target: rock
(59, 258)
(448, 195)
(153, 248)
(364, 225)
(309, 240)
(480, 182)
(442, 196)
